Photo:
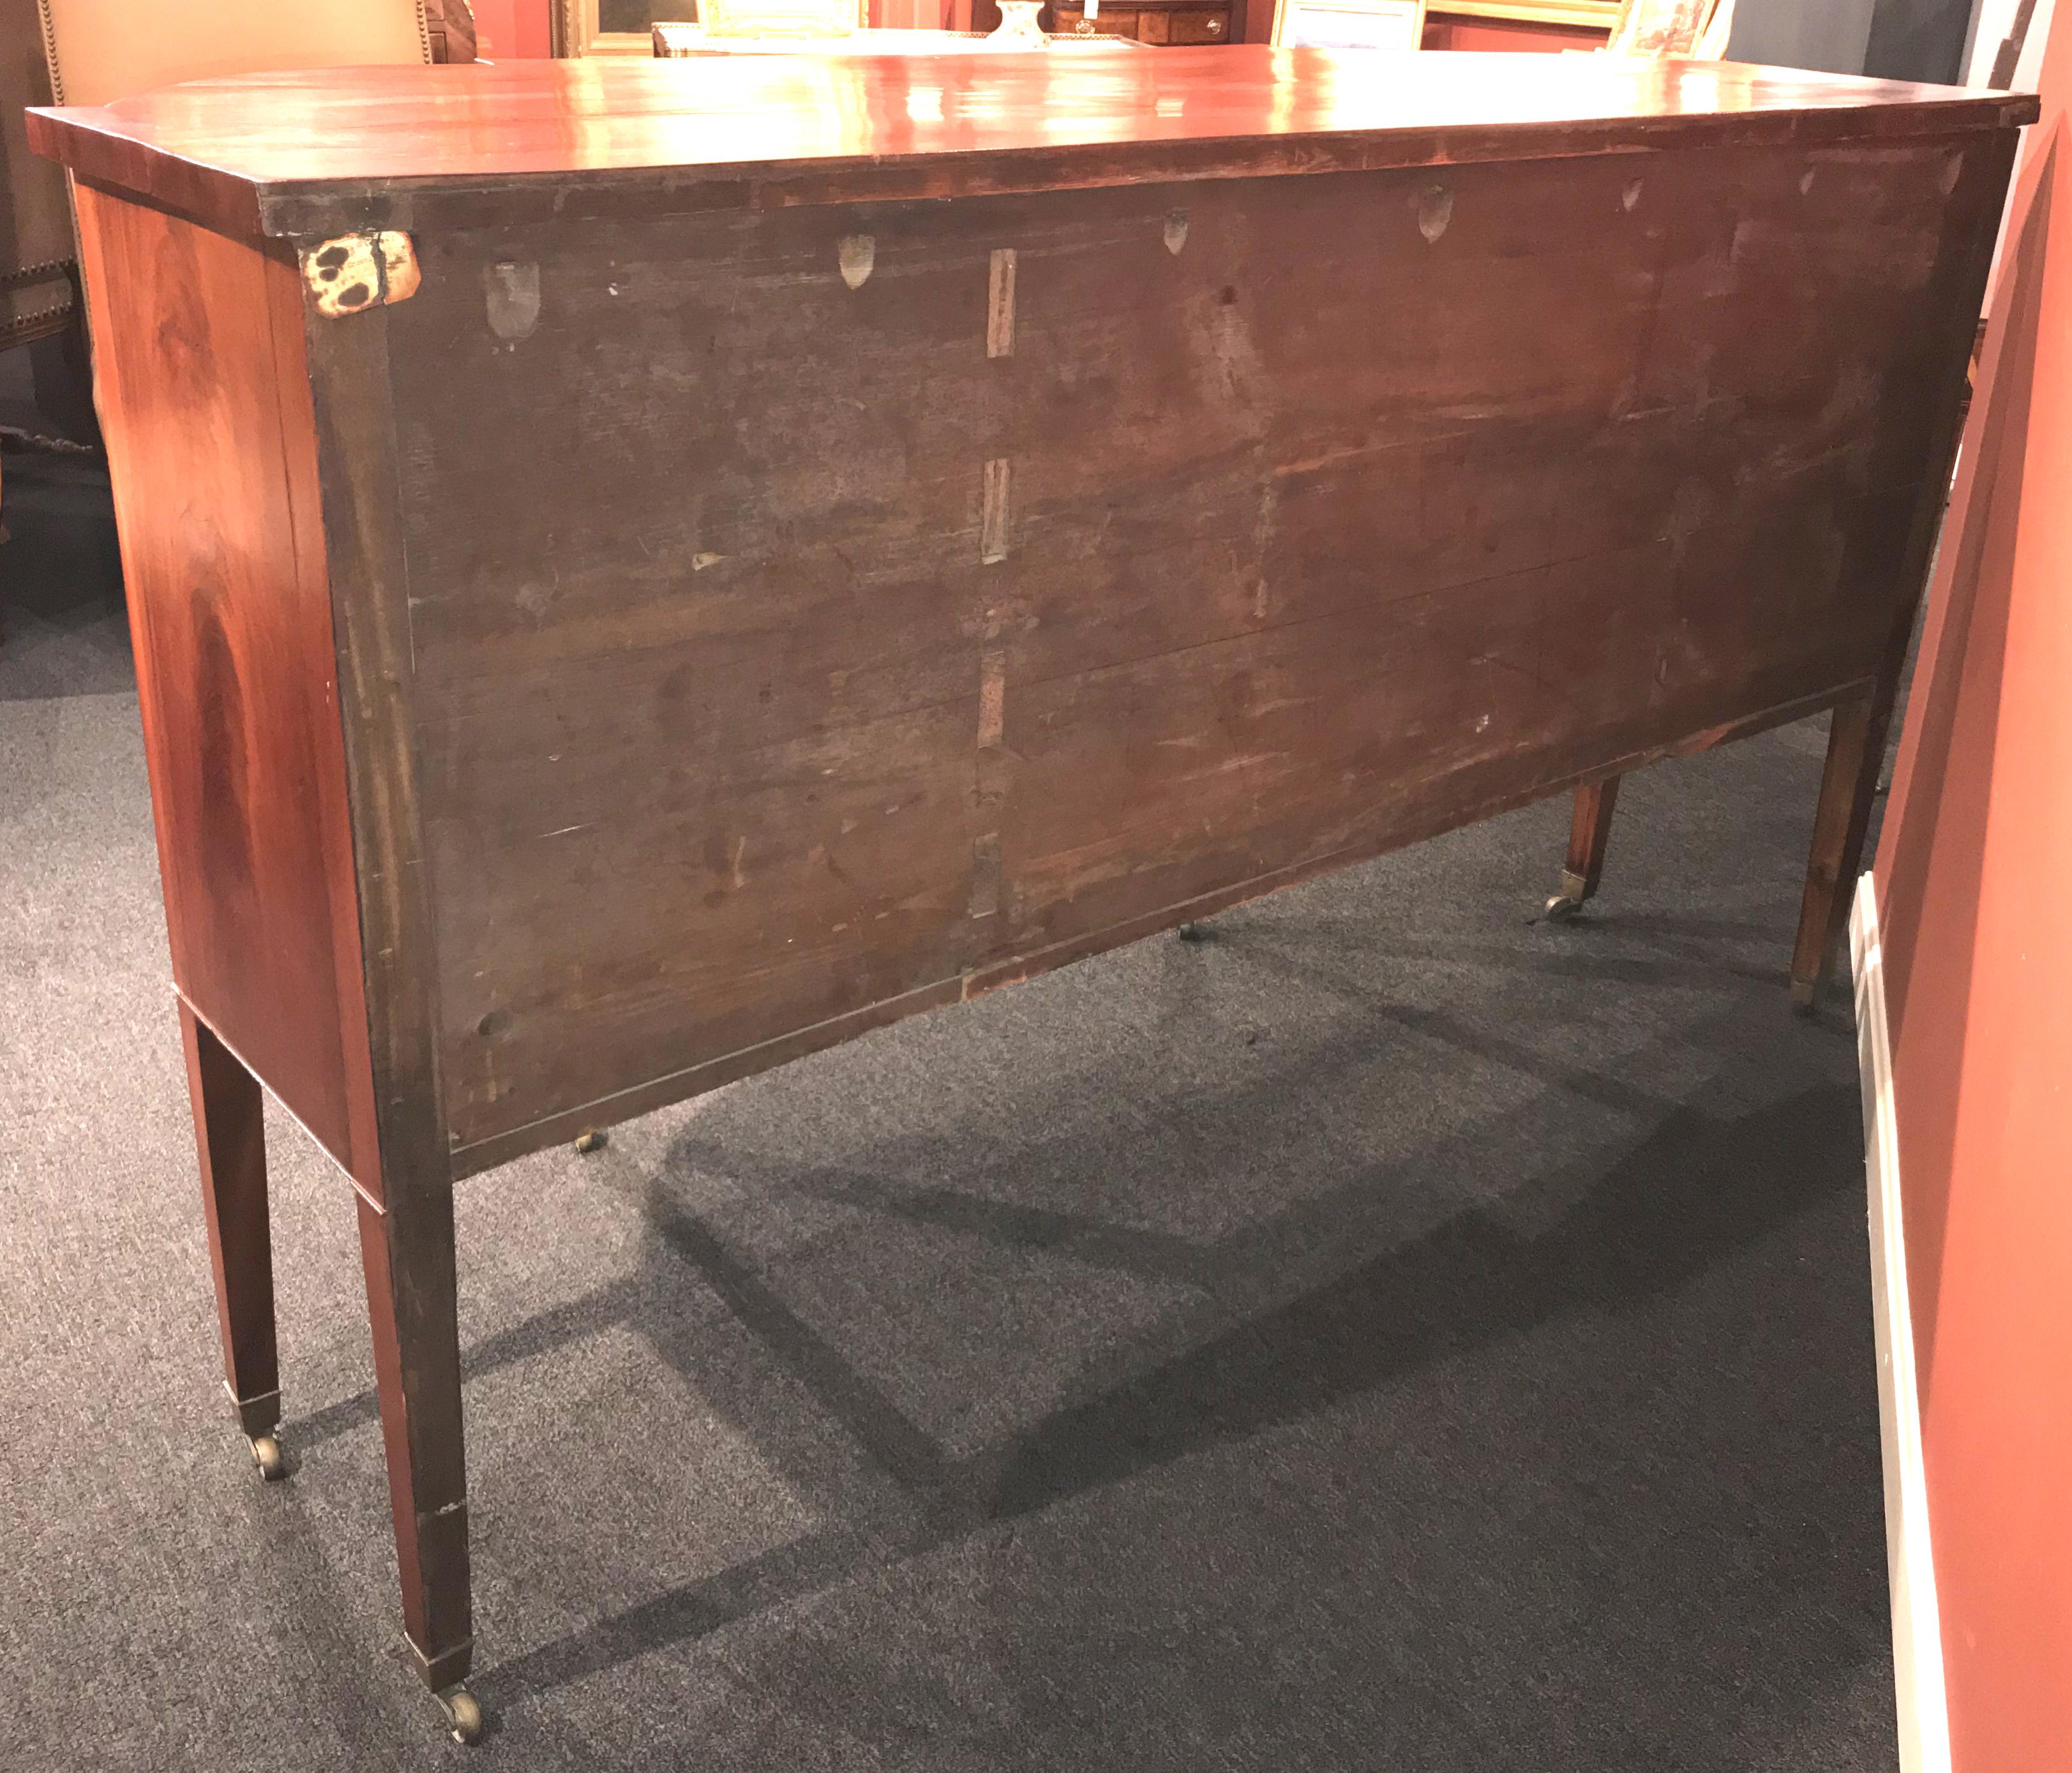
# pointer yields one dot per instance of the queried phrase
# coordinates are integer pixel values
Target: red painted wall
(510, 29)
(1973, 878)
(927, 15)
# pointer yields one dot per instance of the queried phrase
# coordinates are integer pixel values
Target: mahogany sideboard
(1012, 506)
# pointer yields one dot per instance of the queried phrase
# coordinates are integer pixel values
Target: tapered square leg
(230, 1142)
(1848, 788)
(1589, 833)
(408, 1253)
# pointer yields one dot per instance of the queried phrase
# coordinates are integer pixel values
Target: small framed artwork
(1697, 28)
(1348, 24)
(626, 27)
(1584, 15)
(610, 27)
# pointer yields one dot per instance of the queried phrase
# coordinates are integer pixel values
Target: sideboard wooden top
(304, 154)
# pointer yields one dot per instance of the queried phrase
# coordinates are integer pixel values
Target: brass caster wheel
(1805, 996)
(266, 1456)
(589, 1142)
(1193, 932)
(463, 1715)
(1563, 907)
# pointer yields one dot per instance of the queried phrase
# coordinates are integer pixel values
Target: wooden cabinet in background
(1449, 24)
(449, 26)
(1157, 20)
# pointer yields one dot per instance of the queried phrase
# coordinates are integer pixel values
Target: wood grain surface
(252, 449)
(230, 1148)
(203, 392)
(322, 153)
(845, 661)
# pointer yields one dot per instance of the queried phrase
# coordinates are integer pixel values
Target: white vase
(1017, 28)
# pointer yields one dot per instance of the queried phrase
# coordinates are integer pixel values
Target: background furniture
(675, 41)
(450, 25)
(625, 27)
(1512, 24)
(93, 51)
(1245, 523)
(781, 18)
(1656, 28)
(36, 251)
(1697, 28)
(40, 306)
(1349, 24)
(103, 50)
(89, 51)
(1163, 22)
(583, 26)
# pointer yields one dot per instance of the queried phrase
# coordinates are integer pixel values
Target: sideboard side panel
(204, 399)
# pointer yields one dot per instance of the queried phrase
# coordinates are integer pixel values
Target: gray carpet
(1393, 1334)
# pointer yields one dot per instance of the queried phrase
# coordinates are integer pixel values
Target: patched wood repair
(358, 271)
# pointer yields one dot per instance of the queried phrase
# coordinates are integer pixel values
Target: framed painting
(1349, 24)
(626, 27)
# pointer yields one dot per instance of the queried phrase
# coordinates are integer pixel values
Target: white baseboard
(1916, 1624)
